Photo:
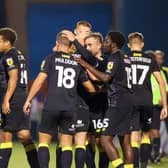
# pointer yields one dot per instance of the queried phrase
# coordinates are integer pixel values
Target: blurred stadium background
(38, 21)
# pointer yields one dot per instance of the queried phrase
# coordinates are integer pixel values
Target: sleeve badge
(9, 61)
(110, 65)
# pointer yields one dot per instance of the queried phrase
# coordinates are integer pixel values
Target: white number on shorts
(99, 124)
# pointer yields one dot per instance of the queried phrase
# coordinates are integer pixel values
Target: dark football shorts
(141, 118)
(82, 119)
(117, 118)
(52, 120)
(16, 120)
(156, 117)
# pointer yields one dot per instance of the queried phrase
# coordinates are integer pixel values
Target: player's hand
(27, 107)
(163, 113)
(81, 61)
(6, 107)
(68, 34)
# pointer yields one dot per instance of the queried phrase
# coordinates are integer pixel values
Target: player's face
(3, 44)
(82, 31)
(159, 59)
(107, 45)
(93, 45)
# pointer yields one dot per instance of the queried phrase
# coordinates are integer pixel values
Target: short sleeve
(10, 62)
(45, 64)
(83, 77)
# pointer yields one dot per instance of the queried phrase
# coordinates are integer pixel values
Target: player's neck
(136, 48)
(8, 49)
(63, 49)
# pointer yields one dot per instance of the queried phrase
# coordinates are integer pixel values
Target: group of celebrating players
(92, 96)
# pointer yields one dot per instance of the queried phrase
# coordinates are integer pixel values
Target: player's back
(142, 67)
(63, 73)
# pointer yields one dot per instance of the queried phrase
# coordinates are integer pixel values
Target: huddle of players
(110, 87)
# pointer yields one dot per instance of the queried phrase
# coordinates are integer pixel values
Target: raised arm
(102, 76)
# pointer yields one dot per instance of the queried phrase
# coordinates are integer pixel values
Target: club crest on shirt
(110, 65)
(9, 61)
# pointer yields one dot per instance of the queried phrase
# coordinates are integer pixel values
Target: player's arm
(88, 56)
(34, 90)
(89, 86)
(12, 83)
(162, 86)
(101, 75)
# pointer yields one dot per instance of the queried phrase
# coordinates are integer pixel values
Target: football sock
(90, 154)
(66, 156)
(135, 148)
(43, 155)
(31, 153)
(80, 156)
(145, 151)
(5, 153)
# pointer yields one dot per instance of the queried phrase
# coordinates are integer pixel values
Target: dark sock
(58, 157)
(90, 154)
(5, 153)
(80, 156)
(4, 157)
(43, 155)
(145, 154)
(103, 160)
(156, 147)
(136, 156)
(31, 153)
(66, 157)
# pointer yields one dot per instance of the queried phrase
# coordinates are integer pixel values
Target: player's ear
(142, 44)
(75, 31)
(128, 45)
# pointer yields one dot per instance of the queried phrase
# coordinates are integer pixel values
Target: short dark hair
(83, 23)
(8, 34)
(117, 37)
(95, 35)
(61, 39)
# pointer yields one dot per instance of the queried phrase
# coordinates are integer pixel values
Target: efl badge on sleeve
(9, 61)
(110, 65)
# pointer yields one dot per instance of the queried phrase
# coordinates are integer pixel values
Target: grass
(18, 159)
